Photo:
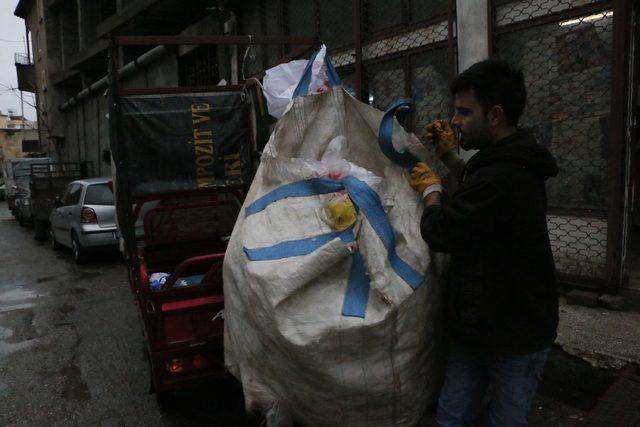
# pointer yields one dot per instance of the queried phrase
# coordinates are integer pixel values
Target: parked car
(84, 217)
(35, 198)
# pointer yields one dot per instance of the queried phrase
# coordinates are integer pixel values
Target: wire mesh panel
(251, 22)
(567, 66)
(381, 15)
(405, 48)
(386, 83)
(300, 18)
(336, 23)
(512, 11)
(430, 91)
(424, 10)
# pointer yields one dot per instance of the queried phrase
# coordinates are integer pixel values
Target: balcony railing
(26, 73)
(22, 59)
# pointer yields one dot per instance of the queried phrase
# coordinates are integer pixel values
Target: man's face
(471, 119)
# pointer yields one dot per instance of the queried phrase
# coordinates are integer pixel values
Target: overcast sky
(11, 40)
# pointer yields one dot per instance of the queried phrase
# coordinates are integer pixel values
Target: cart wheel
(41, 233)
(166, 400)
(52, 240)
(79, 253)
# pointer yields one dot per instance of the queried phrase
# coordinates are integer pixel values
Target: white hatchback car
(84, 217)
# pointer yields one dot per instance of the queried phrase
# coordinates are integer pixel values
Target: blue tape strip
(334, 79)
(309, 187)
(369, 202)
(365, 199)
(356, 297)
(385, 135)
(293, 248)
(303, 85)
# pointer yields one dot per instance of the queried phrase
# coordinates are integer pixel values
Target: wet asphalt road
(71, 350)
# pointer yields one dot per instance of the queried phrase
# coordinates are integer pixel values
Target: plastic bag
(284, 82)
(157, 280)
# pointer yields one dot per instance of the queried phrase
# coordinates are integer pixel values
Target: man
(502, 304)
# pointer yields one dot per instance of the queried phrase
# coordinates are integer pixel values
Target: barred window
(567, 66)
(382, 14)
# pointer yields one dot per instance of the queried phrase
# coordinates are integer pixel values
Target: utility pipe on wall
(141, 62)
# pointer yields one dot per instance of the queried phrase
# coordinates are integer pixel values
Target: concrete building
(18, 137)
(576, 56)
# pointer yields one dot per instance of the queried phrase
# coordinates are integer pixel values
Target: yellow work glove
(424, 180)
(440, 134)
(342, 213)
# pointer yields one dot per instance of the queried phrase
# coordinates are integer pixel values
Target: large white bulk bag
(327, 327)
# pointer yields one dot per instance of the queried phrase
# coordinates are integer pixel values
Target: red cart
(184, 235)
(184, 157)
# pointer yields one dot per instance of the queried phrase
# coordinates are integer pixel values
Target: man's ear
(496, 116)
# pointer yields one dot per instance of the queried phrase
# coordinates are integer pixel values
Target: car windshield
(99, 194)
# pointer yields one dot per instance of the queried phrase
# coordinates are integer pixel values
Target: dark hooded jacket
(501, 286)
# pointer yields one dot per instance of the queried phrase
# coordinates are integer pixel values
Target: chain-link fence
(565, 50)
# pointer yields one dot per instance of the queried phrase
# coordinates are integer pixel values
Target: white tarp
(299, 358)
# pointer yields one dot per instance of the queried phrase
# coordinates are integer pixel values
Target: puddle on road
(19, 294)
(19, 298)
(7, 347)
(16, 331)
(88, 275)
(75, 389)
(21, 323)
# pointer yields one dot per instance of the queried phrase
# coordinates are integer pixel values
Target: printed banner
(185, 141)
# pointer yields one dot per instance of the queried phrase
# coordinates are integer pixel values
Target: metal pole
(619, 125)
(357, 35)
(26, 30)
(450, 36)
(126, 221)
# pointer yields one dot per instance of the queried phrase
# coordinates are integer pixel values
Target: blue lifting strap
(303, 85)
(366, 200)
(385, 135)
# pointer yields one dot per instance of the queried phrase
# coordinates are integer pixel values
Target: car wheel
(79, 252)
(52, 240)
(41, 230)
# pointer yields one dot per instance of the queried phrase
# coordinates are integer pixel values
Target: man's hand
(441, 135)
(424, 180)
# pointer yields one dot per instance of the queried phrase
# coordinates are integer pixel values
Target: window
(72, 195)
(382, 14)
(99, 194)
(386, 83)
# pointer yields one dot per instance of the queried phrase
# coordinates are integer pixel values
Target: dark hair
(495, 82)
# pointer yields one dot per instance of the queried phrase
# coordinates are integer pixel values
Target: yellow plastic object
(343, 213)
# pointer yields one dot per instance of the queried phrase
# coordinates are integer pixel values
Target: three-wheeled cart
(184, 157)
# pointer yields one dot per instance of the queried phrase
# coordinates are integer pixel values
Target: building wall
(11, 143)
(407, 51)
(87, 125)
